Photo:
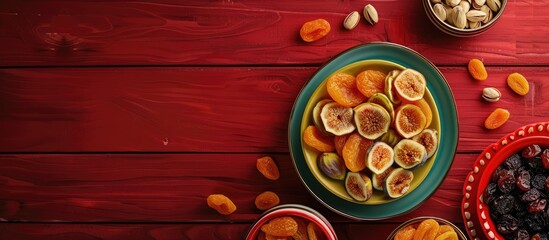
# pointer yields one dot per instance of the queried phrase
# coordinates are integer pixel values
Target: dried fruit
(358, 186)
(409, 120)
(444, 229)
(221, 203)
(398, 182)
(531, 151)
(337, 119)
(497, 118)
(410, 154)
(382, 100)
(267, 166)
(354, 152)
(281, 227)
(272, 237)
(332, 165)
(429, 139)
(447, 236)
(372, 120)
(339, 143)
(427, 229)
(406, 233)
(301, 233)
(370, 82)
(380, 158)
(518, 83)
(410, 85)
(266, 200)
(477, 69)
(343, 89)
(389, 88)
(314, 138)
(314, 30)
(314, 232)
(391, 137)
(379, 179)
(316, 113)
(426, 109)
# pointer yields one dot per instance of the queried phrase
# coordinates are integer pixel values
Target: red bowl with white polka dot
(475, 213)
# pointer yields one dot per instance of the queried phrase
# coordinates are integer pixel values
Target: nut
(491, 94)
(476, 16)
(440, 12)
(495, 5)
(477, 4)
(473, 25)
(489, 13)
(465, 5)
(460, 19)
(370, 14)
(351, 21)
(452, 3)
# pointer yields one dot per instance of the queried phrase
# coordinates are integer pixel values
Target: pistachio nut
(460, 19)
(489, 13)
(465, 5)
(477, 4)
(370, 13)
(495, 5)
(351, 21)
(475, 16)
(473, 25)
(440, 12)
(436, 1)
(452, 3)
(491, 94)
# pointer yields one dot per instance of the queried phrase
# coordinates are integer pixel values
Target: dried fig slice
(398, 182)
(389, 88)
(410, 85)
(316, 113)
(382, 100)
(409, 120)
(358, 186)
(429, 139)
(337, 119)
(372, 120)
(380, 157)
(410, 154)
(378, 180)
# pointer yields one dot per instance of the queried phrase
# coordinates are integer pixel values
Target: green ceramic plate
(382, 54)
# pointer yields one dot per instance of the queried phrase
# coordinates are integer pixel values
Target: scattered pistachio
(491, 94)
(351, 21)
(475, 16)
(370, 14)
(440, 12)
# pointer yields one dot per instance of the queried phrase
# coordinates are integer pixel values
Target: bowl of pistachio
(464, 18)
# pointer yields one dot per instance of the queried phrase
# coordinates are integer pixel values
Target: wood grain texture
(38, 33)
(207, 109)
(61, 231)
(169, 188)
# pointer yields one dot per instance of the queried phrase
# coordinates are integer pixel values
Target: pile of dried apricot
(290, 228)
(427, 229)
(373, 130)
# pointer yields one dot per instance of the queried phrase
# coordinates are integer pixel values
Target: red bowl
(477, 220)
(293, 210)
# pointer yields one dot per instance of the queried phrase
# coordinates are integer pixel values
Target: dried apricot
(281, 227)
(370, 82)
(267, 166)
(339, 142)
(426, 109)
(343, 89)
(451, 235)
(301, 233)
(314, 30)
(497, 118)
(427, 229)
(406, 233)
(314, 232)
(314, 138)
(444, 228)
(354, 152)
(221, 203)
(518, 83)
(477, 69)
(266, 200)
(272, 237)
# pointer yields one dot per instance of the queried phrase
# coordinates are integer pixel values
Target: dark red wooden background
(119, 118)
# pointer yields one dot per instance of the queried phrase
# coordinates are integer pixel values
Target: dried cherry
(507, 224)
(489, 192)
(537, 206)
(513, 162)
(531, 151)
(545, 159)
(506, 181)
(539, 182)
(532, 195)
(522, 235)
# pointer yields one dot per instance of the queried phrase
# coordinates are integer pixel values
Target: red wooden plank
(168, 188)
(61, 231)
(180, 109)
(246, 32)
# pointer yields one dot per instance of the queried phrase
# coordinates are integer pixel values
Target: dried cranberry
(537, 206)
(545, 159)
(522, 235)
(507, 224)
(539, 236)
(513, 162)
(535, 164)
(531, 151)
(489, 193)
(530, 196)
(506, 182)
(539, 182)
(503, 204)
(497, 173)
(523, 180)
(535, 222)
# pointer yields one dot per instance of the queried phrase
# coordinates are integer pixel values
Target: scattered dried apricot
(370, 82)
(497, 118)
(267, 166)
(339, 142)
(406, 233)
(477, 69)
(314, 30)
(314, 232)
(314, 138)
(266, 200)
(354, 152)
(281, 227)
(343, 89)
(427, 229)
(518, 83)
(221, 204)
(426, 109)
